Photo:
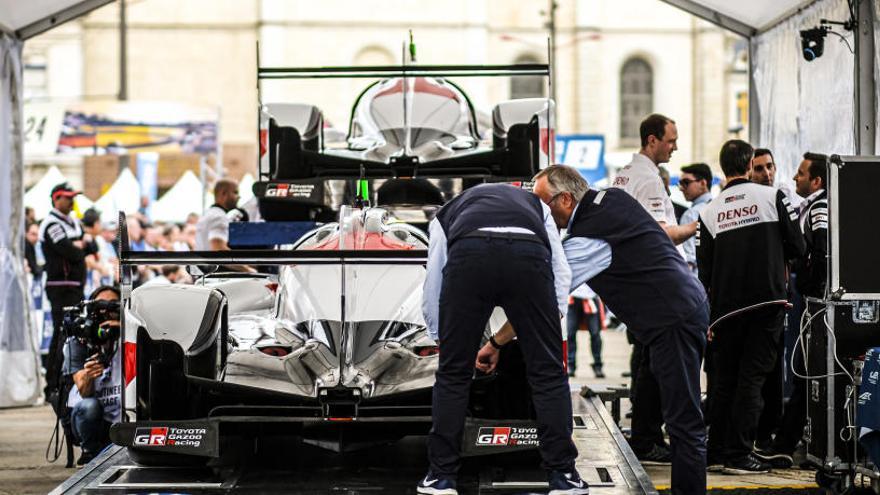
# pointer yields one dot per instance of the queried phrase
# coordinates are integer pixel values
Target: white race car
(332, 347)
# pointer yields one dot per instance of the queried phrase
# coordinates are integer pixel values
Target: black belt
(510, 236)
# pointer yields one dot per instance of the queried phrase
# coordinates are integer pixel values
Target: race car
(332, 346)
(419, 125)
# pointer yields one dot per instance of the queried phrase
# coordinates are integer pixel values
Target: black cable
(59, 442)
(844, 40)
(783, 302)
(57, 437)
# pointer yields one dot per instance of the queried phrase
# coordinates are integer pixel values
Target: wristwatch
(494, 342)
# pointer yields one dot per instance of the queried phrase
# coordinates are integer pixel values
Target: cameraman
(93, 365)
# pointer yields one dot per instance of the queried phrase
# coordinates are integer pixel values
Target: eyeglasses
(684, 183)
(553, 198)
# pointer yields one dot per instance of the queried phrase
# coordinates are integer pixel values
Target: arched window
(636, 96)
(527, 86)
(373, 55)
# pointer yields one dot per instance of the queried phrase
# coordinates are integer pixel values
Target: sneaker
(774, 457)
(748, 464)
(436, 485)
(562, 483)
(571, 371)
(659, 455)
(597, 370)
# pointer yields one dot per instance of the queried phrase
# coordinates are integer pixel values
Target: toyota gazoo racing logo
(150, 436)
(284, 190)
(277, 191)
(507, 436)
(169, 437)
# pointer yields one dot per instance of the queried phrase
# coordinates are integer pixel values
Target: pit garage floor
(25, 432)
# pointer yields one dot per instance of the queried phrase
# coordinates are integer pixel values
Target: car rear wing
(385, 71)
(129, 258)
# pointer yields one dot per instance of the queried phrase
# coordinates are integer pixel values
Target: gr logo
(150, 436)
(493, 436)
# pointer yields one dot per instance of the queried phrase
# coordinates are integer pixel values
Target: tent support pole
(123, 53)
(865, 89)
(76, 10)
(754, 108)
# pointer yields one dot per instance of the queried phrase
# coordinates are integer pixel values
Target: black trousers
(675, 354)
(746, 352)
(59, 298)
(771, 393)
(647, 414)
(516, 275)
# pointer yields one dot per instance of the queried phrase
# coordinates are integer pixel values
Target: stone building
(616, 61)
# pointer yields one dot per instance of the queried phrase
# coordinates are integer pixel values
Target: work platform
(605, 461)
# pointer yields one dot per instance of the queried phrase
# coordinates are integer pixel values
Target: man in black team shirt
(811, 278)
(65, 253)
(746, 217)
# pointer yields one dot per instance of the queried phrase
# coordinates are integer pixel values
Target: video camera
(88, 323)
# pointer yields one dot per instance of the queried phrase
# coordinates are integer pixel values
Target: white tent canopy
(746, 17)
(184, 197)
(123, 195)
(37, 196)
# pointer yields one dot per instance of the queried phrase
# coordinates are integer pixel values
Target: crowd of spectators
(102, 266)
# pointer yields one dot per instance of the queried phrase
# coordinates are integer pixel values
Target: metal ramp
(605, 461)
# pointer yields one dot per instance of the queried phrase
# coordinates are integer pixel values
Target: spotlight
(813, 42)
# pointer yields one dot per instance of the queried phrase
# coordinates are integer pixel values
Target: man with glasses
(695, 181)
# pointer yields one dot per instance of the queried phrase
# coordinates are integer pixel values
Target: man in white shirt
(641, 178)
(212, 230)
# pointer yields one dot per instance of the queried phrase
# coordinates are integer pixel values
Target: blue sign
(147, 175)
(585, 152)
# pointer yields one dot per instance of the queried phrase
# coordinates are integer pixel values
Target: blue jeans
(87, 419)
(573, 320)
